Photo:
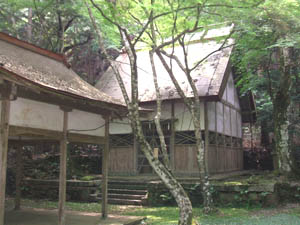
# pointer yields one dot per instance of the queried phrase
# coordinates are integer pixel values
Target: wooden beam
(63, 172)
(8, 90)
(4, 129)
(19, 176)
(105, 169)
(41, 134)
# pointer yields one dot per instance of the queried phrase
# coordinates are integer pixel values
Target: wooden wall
(185, 159)
(121, 160)
(224, 159)
(221, 159)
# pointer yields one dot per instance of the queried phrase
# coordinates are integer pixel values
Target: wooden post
(172, 138)
(19, 175)
(135, 156)
(206, 136)
(216, 125)
(4, 129)
(63, 171)
(155, 153)
(105, 169)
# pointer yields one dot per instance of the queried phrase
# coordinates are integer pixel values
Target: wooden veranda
(43, 99)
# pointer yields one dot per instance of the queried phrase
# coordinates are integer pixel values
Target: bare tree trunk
(29, 25)
(184, 203)
(193, 106)
(158, 116)
(158, 99)
(179, 194)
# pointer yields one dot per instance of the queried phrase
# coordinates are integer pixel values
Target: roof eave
(118, 108)
(35, 49)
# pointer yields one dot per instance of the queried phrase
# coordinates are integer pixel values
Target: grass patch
(169, 215)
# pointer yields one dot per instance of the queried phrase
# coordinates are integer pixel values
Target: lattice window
(228, 141)
(121, 140)
(149, 130)
(235, 142)
(239, 143)
(220, 140)
(212, 138)
(149, 127)
(186, 137)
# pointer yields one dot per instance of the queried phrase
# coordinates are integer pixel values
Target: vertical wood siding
(221, 159)
(121, 160)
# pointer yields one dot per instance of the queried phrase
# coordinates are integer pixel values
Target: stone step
(122, 201)
(127, 191)
(123, 196)
(127, 182)
(126, 186)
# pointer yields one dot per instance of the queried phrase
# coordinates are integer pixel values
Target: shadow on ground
(49, 217)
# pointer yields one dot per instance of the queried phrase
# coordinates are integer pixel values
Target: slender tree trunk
(157, 118)
(177, 191)
(193, 106)
(183, 201)
(29, 25)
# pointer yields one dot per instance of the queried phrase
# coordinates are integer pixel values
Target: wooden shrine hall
(222, 110)
(43, 99)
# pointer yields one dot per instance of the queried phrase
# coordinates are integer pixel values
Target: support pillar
(206, 136)
(135, 156)
(105, 169)
(4, 129)
(172, 138)
(19, 176)
(63, 171)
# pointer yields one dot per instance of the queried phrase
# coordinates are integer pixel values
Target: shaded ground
(280, 219)
(283, 215)
(29, 216)
(280, 215)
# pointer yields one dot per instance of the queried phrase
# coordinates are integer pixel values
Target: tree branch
(112, 63)
(89, 37)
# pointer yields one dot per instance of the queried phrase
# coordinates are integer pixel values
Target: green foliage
(275, 25)
(87, 178)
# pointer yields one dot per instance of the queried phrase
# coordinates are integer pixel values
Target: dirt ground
(49, 217)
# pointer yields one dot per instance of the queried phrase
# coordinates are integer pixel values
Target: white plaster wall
(79, 120)
(166, 110)
(220, 120)
(233, 123)
(184, 118)
(230, 93)
(120, 126)
(34, 114)
(230, 90)
(181, 113)
(239, 125)
(123, 126)
(224, 97)
(211, 109)
(236, 99)
(227, 129)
